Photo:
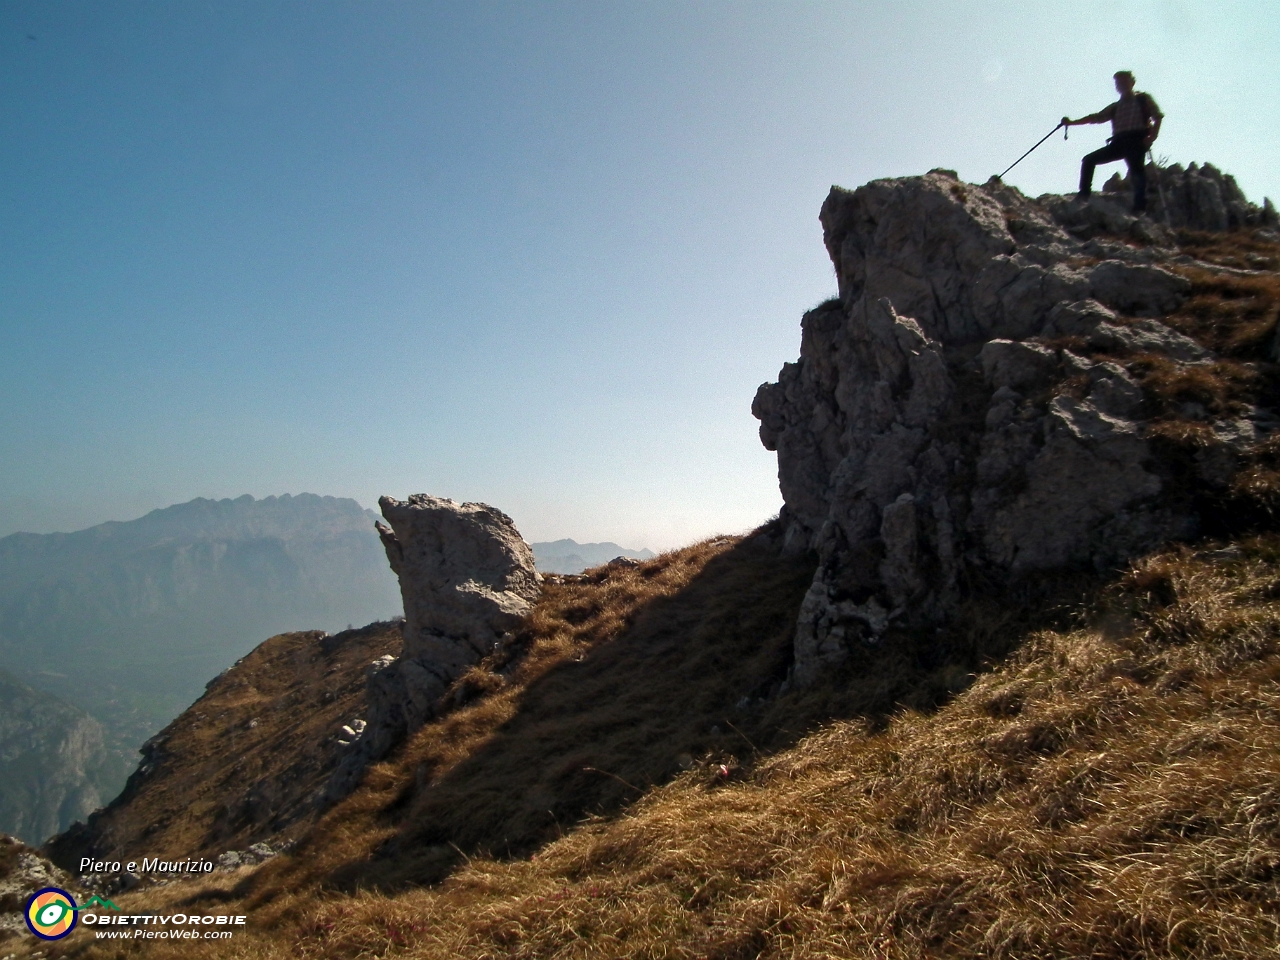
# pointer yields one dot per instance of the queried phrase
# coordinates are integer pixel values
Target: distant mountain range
(569, 556)
(129, 620)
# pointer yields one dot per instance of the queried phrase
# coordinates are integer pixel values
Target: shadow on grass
(696, 681)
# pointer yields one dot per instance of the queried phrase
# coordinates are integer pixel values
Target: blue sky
(535, 254)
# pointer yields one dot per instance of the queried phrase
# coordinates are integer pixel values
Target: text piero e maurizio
(148, 865)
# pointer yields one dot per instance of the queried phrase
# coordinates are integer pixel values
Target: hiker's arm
(1157, 118)
(1102, 116)
(1155, 128)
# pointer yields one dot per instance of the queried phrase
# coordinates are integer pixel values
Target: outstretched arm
(1102, 116)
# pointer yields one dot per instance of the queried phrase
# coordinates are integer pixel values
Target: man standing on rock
(1135, 124)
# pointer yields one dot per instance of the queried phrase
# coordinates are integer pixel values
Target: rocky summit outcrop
(1201, 197)
(466, 578)
(967, 404)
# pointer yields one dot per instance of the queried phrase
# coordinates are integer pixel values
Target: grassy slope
(244, 761)
(1110, 789)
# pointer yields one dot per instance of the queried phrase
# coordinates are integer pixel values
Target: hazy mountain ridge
(129, 620)
(25, 558)
(569, 556)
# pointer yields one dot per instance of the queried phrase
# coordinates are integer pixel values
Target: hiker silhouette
(1135, 124)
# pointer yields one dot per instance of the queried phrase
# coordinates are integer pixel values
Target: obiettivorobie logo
(51, 913)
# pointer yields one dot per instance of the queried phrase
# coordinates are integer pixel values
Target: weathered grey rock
(934, 420)
(1079, 318)
(1113, 391)
(1105, 216)
(1090, 466)
(467, 577)
(261, 851)
(900, 534)
(1006, 363)
(22, 873)
(1199, 197)
(1147, 336)
(50, 756)
(1137, 289)
(1103, 330)
(1203, 198)
(942, 253)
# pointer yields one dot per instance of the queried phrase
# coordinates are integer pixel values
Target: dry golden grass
(615, 678)
(244, 761)
(1059, 772)
(1110, 791)
(1234, 315)
(1241, 249)
(10, 850)
(1234, 490)
(1222, 389)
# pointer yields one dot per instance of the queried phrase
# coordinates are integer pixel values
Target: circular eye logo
(51, 913)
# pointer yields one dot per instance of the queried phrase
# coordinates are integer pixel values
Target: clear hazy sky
(535, 254)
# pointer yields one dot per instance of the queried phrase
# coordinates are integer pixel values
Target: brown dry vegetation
(10, 850)
(1239, 249)
(616, 679)
(244, 761)
(1233, 314)
(1111, 790)
(1222, 389)
(618, 682)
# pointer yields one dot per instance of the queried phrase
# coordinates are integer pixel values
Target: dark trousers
(1129, 147)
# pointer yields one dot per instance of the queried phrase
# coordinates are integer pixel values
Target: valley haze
(115, 629)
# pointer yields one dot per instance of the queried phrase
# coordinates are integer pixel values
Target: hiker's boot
(1083, 196)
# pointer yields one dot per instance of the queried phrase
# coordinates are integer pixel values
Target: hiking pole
(1164, 207)
(1029, 152)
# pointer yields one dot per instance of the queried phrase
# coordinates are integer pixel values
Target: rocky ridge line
(964, 405)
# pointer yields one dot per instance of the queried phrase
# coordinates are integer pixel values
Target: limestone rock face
(1139, 289)
(939, 417)
(466, 578)
(942, 253)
